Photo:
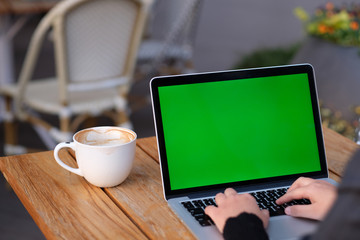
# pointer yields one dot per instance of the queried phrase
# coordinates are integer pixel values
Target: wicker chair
(96, 44)
(168, 46)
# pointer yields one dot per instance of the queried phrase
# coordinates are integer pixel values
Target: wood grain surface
(339, 150)
(149, 146)
(141, 198)
(62, 204)
(26, 7)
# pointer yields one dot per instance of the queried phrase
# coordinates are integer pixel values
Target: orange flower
(354, 25)
(329, 6)
(322, 28)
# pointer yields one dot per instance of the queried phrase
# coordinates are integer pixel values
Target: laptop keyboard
(265, 200)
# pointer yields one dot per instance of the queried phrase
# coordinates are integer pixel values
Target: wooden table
(26, 6)
(65, 206)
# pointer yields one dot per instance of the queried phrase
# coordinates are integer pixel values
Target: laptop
(255, 130)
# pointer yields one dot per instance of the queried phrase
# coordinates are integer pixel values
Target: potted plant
(332, 47)
(339, 25)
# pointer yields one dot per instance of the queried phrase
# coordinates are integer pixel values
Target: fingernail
(288, 211)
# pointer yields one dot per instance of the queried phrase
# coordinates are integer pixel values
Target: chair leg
(10, 125)
(90, 122)
(10, 133)
(65, 133)
(10, 128)
(121, 117)
(64, 124)
(43, 130)
(122, 120)
(77, 121)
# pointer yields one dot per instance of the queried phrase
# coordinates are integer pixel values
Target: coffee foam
(104, 137)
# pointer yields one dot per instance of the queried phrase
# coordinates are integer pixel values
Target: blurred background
(227, 34)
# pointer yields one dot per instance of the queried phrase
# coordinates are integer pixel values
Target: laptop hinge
(240, 189)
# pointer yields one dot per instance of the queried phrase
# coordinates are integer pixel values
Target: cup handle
(61, 163)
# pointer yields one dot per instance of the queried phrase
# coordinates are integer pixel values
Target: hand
(231, 204)
(321, 194)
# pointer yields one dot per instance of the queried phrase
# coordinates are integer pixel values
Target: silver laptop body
(252, 130)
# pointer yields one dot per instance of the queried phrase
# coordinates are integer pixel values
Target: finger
(298, 193)
(300, 182)
(230, 192)
(265, 218)
(219, 198)
(265, 212)
(249, 198)
(210, 210)
(305, 211)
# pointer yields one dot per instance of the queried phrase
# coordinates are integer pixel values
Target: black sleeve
(244, 226)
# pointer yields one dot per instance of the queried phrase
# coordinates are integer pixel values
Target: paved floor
(227, 30)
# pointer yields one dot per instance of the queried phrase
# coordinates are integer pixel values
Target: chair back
(96, 43)
(174, 24)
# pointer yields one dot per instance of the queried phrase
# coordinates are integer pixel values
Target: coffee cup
(104, 155)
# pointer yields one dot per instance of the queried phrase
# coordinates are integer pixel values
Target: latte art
(104, 137)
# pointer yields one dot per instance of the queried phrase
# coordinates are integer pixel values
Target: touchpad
(286, 227)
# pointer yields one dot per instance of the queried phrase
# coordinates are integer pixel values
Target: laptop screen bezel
(225, 76)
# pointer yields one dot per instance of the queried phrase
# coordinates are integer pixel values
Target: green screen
(229, 131)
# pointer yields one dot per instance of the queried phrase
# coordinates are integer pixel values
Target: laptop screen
(258, 126)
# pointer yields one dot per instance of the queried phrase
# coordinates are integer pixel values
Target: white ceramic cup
(104, 155)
